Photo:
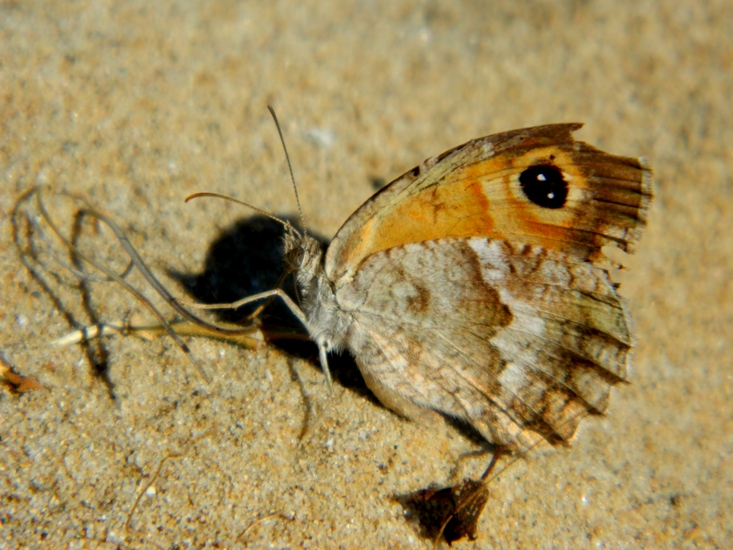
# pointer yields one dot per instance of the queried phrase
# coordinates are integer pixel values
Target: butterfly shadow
(245, 259)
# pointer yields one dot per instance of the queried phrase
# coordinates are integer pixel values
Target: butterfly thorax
(327, 324)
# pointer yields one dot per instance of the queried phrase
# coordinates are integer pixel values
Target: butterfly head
(303, 256)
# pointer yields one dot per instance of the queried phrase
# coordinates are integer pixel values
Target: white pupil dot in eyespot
(550, 195)
(541, 177)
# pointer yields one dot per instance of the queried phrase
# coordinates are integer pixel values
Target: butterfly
(474, 285)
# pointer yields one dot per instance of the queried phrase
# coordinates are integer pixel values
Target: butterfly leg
(322, 354)
(295, 310)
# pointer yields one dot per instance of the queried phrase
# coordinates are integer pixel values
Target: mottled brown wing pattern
(516, 340)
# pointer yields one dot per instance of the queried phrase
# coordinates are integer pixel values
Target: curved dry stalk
(158, 470)
(231, 332)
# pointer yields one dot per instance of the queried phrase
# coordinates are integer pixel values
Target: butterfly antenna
(237, 201)
(290, 167)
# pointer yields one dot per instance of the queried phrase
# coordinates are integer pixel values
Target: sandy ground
(136, 104)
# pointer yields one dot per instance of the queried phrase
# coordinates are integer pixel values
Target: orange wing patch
(452, 209)
(476, 190)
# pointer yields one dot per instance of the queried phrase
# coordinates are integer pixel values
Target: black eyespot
(544, 185)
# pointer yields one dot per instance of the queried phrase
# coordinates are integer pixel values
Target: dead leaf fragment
(16, 382)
